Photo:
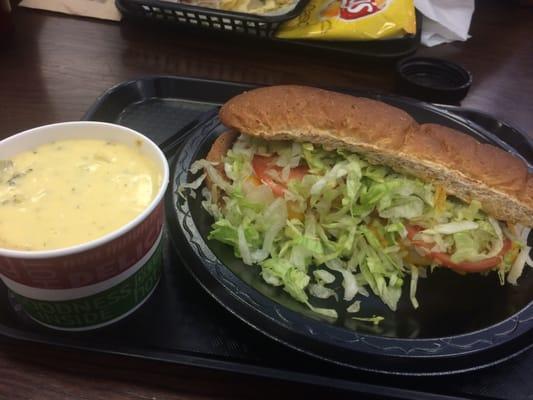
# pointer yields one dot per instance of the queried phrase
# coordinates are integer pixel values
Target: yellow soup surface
(72, 191)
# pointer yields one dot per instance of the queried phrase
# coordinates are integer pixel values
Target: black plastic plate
(463, 322)
(192, 329)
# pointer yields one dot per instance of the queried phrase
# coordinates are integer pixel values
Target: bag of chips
(351, 20)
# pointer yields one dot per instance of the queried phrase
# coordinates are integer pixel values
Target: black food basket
(210, 18)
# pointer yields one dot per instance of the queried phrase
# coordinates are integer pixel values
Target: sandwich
(318, 187)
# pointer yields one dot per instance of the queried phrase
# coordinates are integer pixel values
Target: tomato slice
(477, 266)
(262, 165)
(412, 230)
(445, 260)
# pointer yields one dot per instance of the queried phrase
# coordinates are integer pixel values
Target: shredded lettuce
(294, 281)
(376, 319)
(323, 276)
(327, 312)
(349, 282)
(453, 227)
(412, 288)
(347, 217)
(522, 259)
(320, 291)
(354, 307)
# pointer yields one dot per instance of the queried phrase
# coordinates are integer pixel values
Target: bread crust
(218, 150)
(387, 135)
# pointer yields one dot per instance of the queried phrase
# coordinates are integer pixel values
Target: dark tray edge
(246, 369)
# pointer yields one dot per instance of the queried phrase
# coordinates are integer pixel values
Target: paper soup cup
(58, 280)
(108, 302)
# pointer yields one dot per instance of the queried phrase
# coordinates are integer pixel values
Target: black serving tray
(192, 329)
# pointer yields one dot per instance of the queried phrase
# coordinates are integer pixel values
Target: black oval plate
(463, 322)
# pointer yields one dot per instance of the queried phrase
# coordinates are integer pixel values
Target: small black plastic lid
(432, 79)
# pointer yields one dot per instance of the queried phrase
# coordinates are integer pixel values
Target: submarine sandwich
(315, 186)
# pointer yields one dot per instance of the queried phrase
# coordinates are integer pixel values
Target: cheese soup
(73, 191)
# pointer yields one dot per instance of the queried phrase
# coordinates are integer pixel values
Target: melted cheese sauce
(72, 191)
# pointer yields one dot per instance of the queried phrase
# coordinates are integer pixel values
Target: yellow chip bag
(351, 20)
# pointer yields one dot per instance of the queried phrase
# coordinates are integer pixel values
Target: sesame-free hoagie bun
(216, 154)
(388, 136)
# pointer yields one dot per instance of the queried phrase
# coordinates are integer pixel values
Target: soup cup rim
(109, 237)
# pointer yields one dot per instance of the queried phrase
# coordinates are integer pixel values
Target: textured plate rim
(520, 323)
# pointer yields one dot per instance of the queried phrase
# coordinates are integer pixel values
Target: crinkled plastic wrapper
(352, 20)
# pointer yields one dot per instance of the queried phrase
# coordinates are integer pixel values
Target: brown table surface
(57, 65)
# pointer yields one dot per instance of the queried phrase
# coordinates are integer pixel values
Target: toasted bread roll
(386, 135)
(218, 150)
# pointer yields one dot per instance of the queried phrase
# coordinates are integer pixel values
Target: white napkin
(445, 20)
